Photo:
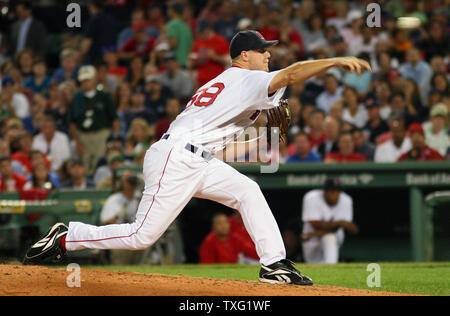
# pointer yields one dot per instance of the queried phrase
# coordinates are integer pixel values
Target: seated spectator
(354, 112)
(5, 150)
(436, 132)
(140, 136)
(40, 178)
(400, 108)
(220, 246)
(313, 36)
(316, 132)
(420, 151)
(175, 78)
(375, 126)
(121, 208)
(9, 180)
(52, 142)
(78, 179)
(237, 227)
(326, 214)
(39, 82)
(137, 16)
(37, 157)
(392, 149)
(172, 111)
(13, 103)
(346, 151)
(25, 141)
(209, 55)
(141, 44)
(418, 70)
(106, 81)
(227, 23)
(157, 95)
(362, 146)
(108, 180)
(112, 61)
(383, 95)
(68, 70)
(303, 150)
(138, 110)
(332, 93)
(337, 111)
(332, 129)
(135, 75)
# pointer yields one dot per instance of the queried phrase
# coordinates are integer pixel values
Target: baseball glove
(279, 118)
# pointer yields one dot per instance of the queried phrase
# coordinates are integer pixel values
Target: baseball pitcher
(181, 165)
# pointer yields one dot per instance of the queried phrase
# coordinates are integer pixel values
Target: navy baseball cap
(248, 40)
(332, 184)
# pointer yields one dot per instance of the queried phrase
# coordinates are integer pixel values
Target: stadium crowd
(74, 109)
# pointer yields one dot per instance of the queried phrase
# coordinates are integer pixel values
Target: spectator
(326, 214)
(5, 150)
(22, 155)
(106, 82)
(400, 108)
(27, 32)
(115, 161)
(135, 75)
(101, 32)
(13, 104)
(436, 43)
(339, 46)
(78, 179)
(178, 33)
(362, 146)
(413, 103)
(36, 157)
(346, 151)
(138, 110)
(440, 82)
(140, 136)
(176, 79)
(316, 129)
(40, 178)
(141, 44)
(295, 108)
(172, 111)
(329, 145)
(9, 180)
(121, 208)
(354, 112)
(137, 16)
(24, 61)
(226, 25)
(383, 95)
(222, 247)
(436, 133)
(375, 125)
(420, 151)
(391, 150)
(313, 36)
(303, 150)
(336, 111)
(39, 82)
(418, 70)
(237, 227)
(156, 17)
(157, 95)
(69, 67)
(112, 61)
(52, 142)
(352, 33)
(332, 93)
(210, 54)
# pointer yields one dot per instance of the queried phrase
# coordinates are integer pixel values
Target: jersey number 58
(206, 96)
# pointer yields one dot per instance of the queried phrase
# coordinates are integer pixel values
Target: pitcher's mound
(36, 280)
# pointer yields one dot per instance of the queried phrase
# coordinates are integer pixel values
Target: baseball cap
(439, 109)
(332, 184)
(86, 72)
(416, 128)
(248, 40)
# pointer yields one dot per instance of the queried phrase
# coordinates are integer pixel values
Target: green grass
(412, 278)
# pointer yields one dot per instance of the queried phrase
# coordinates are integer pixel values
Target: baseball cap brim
(248, 40)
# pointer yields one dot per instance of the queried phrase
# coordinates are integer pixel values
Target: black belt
(193, 149)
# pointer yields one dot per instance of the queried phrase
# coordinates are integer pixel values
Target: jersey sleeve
(254, 92)
(310, 210)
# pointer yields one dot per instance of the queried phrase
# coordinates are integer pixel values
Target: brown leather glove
(279, 118)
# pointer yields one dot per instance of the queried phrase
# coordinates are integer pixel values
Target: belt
(193, 149)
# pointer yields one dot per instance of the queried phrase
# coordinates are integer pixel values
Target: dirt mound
(35, 280)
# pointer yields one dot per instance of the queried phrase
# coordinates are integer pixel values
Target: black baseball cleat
(49, 247)
(283, 272)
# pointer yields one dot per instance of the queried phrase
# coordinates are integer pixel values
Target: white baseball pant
(173, 175)
(323, 249)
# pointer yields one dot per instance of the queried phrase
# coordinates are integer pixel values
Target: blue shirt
(312, 157)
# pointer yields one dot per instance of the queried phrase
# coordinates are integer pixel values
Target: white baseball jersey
(221, 109)
(316, 209)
